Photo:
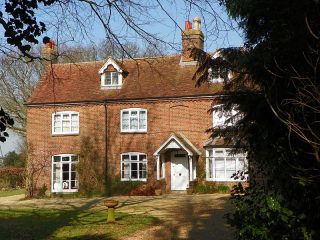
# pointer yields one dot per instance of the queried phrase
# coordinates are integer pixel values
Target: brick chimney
(49, 52)
(191, 38)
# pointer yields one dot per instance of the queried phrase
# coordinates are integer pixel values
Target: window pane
(220, 174)
(125, 120)
(115, 78)
(142, 157)
(241, 164)
(210, 173)
(74, 159)
(134, 157)
(219, 163)
(126, 170)
(142, 120)
(107, 78)
(142, 170)
(56, 158)
(74, 122)
(134, 170)
(65, 159)
(125, 157)
(134, 120)
(66, 125)
(231, 164)
(57, 123)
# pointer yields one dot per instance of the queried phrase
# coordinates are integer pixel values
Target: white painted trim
(110, 61)
(158, 167)
(69, 132)
(134, 130)
(190, 168)
(173, 137)
(163, 168)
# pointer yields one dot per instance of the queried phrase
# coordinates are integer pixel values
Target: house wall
(43, 145)
(189, 117)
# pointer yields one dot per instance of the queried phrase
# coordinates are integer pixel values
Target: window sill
(65, 134)
(106, 87)
(224, 180)
(65, 191)
(133, 131)
(133, 180)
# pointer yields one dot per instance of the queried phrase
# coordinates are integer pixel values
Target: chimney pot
(197, 23)
(188, 25)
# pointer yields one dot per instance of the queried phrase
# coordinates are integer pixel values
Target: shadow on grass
(43, 223)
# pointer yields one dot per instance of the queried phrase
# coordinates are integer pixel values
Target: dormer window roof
(111, 75)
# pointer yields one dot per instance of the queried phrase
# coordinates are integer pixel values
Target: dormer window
(111, 75)
(111, 79)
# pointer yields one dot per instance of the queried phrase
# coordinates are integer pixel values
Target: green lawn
(11, 192)
(66, 224)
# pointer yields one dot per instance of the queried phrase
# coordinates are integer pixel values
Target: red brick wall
(43, 145)
(189, 117)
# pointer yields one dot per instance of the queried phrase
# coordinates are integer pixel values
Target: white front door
(179, 171)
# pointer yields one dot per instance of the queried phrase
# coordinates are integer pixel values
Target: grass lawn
(11, 192)
(68, 224)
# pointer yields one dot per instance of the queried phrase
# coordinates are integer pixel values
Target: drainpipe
(107, 191)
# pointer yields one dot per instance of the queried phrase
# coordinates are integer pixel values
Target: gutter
(126, 100)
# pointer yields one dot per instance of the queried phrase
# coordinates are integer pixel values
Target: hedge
(11, 178)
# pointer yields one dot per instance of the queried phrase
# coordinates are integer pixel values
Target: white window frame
(136, 161)
(225, 156)
(112, 85)
(64, 186)
(130, 110)
(220, 116)
(70, 132)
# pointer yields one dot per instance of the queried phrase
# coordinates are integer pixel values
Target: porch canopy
(177, 141)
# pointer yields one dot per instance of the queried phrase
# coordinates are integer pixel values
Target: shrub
(223, 189)
(263, 215)
(115, 186)
(204, 188)
(11, 178)
(90, 177)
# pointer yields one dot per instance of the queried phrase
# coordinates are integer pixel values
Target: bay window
(221, 164)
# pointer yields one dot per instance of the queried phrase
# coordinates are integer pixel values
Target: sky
(11, 144)
(165, 23)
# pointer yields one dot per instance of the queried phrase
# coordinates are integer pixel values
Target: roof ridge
(117, 59)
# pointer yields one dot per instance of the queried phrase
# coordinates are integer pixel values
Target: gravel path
(182, 216)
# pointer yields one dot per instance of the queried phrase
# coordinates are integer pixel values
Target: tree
(12, 159)
(275, 85)
(17, 81)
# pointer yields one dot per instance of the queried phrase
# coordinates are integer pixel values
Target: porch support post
(190, 168)
(158, 167)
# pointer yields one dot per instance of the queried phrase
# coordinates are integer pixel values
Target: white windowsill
(224, 180)
(133, 131)
(65, 191)
(65, 134)
(132, 180)
(110, 87)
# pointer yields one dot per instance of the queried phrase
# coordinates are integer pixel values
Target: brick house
(145, 116)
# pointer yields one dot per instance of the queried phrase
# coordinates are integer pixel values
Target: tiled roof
(144, 78)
